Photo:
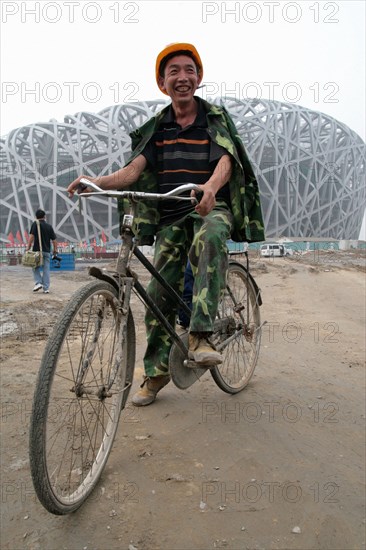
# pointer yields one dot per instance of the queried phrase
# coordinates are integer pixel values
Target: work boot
(149, 388)
(201, 351)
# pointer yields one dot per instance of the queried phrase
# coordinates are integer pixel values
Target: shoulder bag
(31, 258)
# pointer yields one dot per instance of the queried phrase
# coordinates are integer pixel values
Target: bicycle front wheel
(83, 383)
(237, 331)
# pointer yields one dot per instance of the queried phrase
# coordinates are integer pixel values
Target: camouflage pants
(203, 240)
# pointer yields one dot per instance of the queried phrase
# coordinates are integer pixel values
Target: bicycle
(87, 367)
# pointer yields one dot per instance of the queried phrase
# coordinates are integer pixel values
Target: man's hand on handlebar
(206, 200)
(219, 178)
(77, 187)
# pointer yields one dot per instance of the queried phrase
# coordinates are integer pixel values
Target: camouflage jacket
(244, 191)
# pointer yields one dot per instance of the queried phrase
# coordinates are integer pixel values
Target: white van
(272, 250)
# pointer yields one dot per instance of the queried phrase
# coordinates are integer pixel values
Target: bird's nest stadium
(310, 168)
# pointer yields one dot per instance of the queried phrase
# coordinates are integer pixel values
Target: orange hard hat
(176, 47)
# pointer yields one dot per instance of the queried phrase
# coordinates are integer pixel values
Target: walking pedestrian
(42, 274)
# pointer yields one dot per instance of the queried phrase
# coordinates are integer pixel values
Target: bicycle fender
(99, 274)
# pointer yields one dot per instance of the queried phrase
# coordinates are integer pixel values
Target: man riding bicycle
(189, 141)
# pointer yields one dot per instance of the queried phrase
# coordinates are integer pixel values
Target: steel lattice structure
(310, 168)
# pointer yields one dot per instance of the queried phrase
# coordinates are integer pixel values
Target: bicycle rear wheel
(237, 331)
(83, 383)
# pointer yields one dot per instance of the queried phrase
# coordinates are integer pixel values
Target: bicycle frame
(153, 308)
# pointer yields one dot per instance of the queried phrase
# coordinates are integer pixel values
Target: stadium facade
(310, 168)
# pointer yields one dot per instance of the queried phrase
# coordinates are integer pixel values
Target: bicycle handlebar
(175, 193)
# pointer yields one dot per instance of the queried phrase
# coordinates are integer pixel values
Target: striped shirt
(182, 155)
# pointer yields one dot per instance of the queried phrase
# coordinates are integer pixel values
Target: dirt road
(278, 466)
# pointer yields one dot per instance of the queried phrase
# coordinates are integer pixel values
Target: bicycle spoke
(238, 331)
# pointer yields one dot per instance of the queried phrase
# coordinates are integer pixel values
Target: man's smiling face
(180, 79)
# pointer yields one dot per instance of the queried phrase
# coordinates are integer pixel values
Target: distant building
(310, 168)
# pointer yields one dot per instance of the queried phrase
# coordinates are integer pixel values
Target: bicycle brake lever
(196, 199)
(198, 195)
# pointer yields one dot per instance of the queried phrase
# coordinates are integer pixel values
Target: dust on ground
(277, 466)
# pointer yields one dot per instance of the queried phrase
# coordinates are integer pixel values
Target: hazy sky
(62, 57)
